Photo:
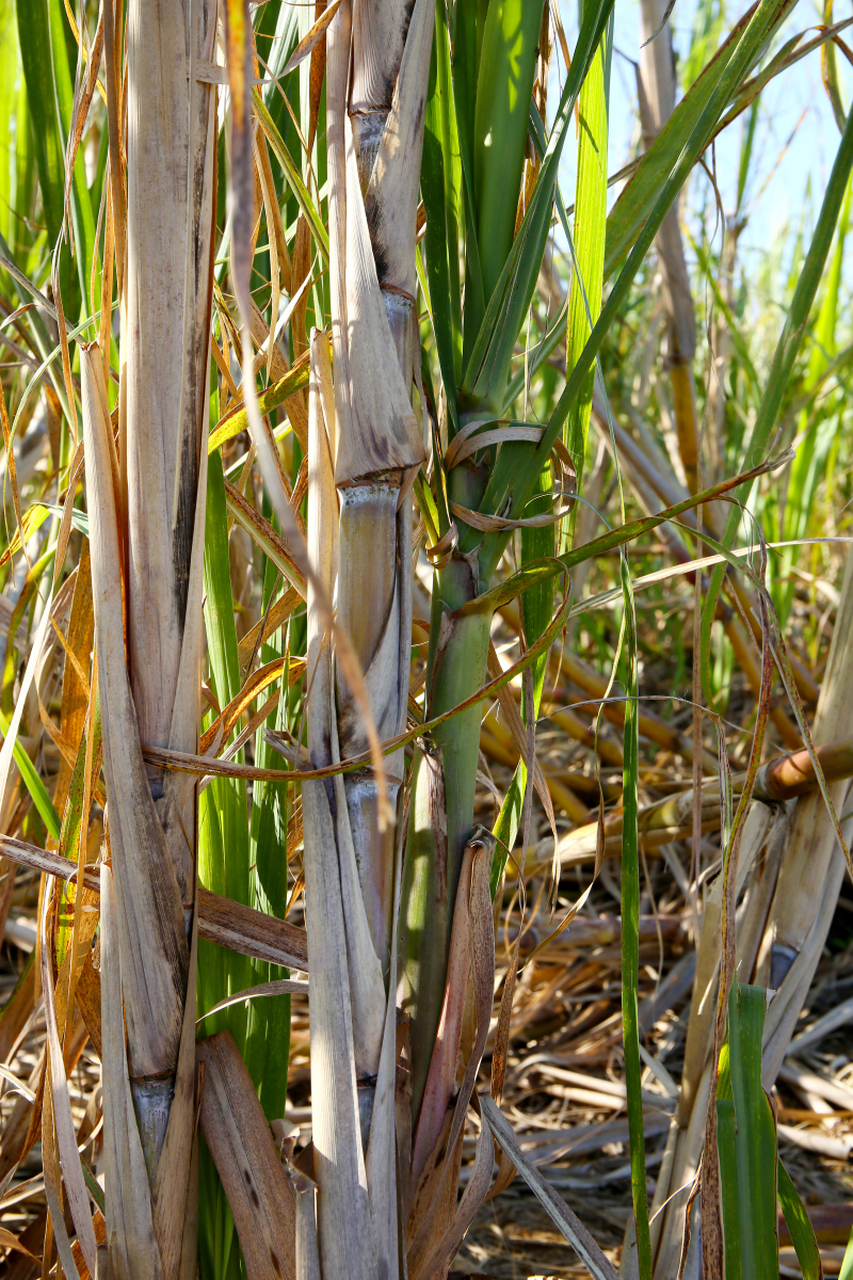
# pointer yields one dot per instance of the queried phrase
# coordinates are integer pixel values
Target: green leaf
(34, 36)
(49, 355)
(79, 519)
(223, 856)
(846, 1272)
(270, 398)
(43, 32)
(82, 218)
(441, 184)
(487, 368)
(817, 430)
(14, 130)
(292, 174)
(224, 822)
(72, 835)
(662, 158)
(268, 1029)
(504, 88)
(516, 469)
(34, 784)
(588, 251)
(800, 1226)
(727, 1155)
(748, 1158)
(522, 581)
(466, 36)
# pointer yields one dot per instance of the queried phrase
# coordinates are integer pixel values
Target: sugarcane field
(426, 640)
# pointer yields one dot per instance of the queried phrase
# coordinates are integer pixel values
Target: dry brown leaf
(312, 38)
(238, 1135)
(280, 987)
(278, 614)
(230, 924)
(132, 1246)
(155, 956)
(10, 1241)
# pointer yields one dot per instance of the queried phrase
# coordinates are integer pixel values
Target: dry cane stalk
(147, 512)
(363, 447)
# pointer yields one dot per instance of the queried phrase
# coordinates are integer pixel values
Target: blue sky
(797, 133)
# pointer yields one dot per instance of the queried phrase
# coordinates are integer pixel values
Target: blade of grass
(631, 933)
(589, 239)
(34, 784)
(748, 1151)
(800, 1226)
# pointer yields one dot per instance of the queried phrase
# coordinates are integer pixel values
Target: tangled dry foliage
(564, 1089)
(780, 911)
(564, 1086)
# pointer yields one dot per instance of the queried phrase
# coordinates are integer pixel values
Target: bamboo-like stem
(165, 345)
(440, 825)
(375, 155)
(778, 780)
(147, 510)
(365, 443)
(376, 524)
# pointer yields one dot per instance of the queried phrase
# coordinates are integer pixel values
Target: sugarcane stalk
(147, 511)
(440, 825)
(380, 129)
(364, 445)
(165, 345)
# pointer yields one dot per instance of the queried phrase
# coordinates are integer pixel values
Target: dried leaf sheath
(377, 432)
(166, 340)
(150, 961)
(155, 955)
(238, 1135)
(129, 1221)
(147, 529)
(343, 1212)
